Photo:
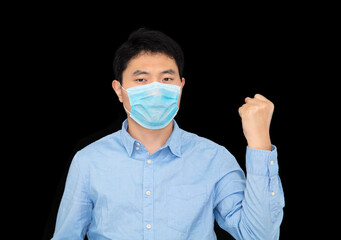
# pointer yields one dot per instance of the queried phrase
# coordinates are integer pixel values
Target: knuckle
(253, 109)
(272, 105)
(262, 105)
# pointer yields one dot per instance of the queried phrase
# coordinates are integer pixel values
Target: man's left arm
(261, 158)
(255, 210)
(250, 208)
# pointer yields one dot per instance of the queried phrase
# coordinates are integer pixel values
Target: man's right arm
(74, 214)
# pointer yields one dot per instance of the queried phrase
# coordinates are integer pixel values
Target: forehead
(151, 62)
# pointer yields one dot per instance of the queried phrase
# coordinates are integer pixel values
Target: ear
(118, 89)
(182, 82)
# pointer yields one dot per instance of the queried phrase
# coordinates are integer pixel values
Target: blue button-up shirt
(116, 190)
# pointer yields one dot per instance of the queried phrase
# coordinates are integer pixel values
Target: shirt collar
(173, 142)
(127, 140)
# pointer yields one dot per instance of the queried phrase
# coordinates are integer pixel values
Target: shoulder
(209, 153)
(100, 148)
(191, 141)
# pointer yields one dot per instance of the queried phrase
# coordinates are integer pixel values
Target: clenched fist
(256, 116)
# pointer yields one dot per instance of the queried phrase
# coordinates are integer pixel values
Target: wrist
(260, 143)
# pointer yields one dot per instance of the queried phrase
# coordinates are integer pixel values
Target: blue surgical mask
(153, 105)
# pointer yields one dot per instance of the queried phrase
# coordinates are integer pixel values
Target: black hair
(145, 40)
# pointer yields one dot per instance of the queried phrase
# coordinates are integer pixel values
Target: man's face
(147, 68)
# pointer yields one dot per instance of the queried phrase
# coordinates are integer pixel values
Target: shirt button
(149, 226)
(148, 193)
(272, 193)
(137, 148)
(138, 144)
(271, 162)
(149, 161)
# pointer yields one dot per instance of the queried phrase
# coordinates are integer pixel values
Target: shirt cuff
(262, 162)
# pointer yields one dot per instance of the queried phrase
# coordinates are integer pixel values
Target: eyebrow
(141, 72)
(169, 71)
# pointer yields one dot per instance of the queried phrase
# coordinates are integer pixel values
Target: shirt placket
(148, 191)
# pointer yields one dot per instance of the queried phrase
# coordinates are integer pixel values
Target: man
(153, 180)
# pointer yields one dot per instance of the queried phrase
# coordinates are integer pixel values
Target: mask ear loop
(122, 103)
(123, 87)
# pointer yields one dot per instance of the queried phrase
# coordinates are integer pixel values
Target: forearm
(263, 198)
(254, 210)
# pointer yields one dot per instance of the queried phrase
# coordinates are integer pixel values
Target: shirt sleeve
(251, 207)
(74, 214)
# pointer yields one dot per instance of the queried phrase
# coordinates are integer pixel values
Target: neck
(152, 139)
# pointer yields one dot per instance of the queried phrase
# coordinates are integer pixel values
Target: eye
(140, 80)
(167, 79)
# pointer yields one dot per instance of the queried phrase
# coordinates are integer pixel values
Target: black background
(63, 73)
